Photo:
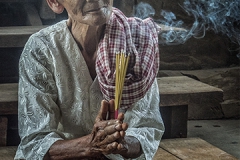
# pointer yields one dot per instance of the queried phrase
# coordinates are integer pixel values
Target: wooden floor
(190, 149)
(7, 153)
(170, 149)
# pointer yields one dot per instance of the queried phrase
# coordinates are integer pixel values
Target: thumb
(102, 114)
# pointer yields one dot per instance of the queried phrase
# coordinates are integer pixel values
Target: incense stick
(122, 60)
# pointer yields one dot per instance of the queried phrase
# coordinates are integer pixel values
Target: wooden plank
(16, 1)
(16, 36)
(164, 155)
(8, 153)
(3, 130)
(8, 98)
(194, 149)
(9, 92)
(203, 100)
(182, 85)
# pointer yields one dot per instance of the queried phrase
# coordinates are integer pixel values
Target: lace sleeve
(38, 112)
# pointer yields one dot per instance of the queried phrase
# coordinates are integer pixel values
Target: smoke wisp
(221, 16)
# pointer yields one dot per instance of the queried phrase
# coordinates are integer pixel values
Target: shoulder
(40, 44)
(48, 35)
(53, 29)
(46, 39)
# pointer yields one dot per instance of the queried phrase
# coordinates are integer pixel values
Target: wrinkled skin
(87, 19)
(108, 133)
(91, 12)
(107, 137)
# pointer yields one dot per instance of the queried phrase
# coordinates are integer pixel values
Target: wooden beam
(16, 36)
(16, 1)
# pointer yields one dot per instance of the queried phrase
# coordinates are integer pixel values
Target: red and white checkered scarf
(137, 37)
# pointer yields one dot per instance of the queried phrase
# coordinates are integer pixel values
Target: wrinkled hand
(108, 133)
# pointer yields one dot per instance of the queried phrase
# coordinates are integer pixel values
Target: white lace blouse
(59, 100)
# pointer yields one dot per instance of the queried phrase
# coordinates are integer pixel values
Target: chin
(98, 18)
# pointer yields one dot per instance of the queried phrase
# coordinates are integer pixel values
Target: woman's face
(91, 12)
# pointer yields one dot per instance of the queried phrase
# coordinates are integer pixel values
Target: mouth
(94, 7)
(93, 10)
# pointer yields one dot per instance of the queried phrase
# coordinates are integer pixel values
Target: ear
(55, 6)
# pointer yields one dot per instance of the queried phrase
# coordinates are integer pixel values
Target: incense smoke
(221, 16)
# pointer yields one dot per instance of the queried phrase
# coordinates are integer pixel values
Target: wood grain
(194, 149)
(16, 36)
(164, 155)
(8, 153)
(202, 99)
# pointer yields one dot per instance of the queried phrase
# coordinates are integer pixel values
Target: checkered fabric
(136, 37)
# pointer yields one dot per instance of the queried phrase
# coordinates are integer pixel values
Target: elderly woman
(66, 86)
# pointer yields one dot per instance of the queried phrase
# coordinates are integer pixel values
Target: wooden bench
(169, 149)
(183, 98)
(16, 36)
(16, 1)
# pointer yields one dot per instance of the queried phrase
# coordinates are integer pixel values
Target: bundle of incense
(122, 60)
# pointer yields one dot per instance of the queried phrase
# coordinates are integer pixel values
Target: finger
(112, 128)
(102, 114)
(110, 139)
(101, 125)
(124, 126)
(111, 109)
(122, 133)
(110, 148)
(120, 116)
(98, 137)
(104, 109)
(120, 147)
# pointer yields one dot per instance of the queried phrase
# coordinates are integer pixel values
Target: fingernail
(117, 127)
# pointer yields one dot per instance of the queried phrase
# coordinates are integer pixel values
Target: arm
(37, 109)
(103, 139)
(91, 146)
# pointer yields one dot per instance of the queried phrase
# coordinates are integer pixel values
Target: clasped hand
(108, 133)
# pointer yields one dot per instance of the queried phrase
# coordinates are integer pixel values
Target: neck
(87, 37)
